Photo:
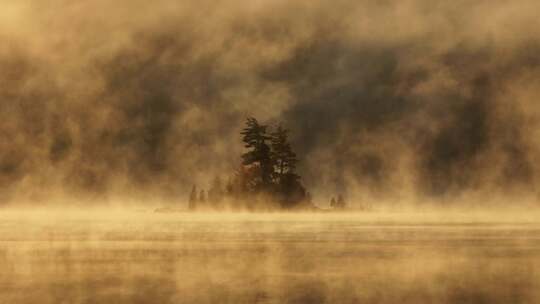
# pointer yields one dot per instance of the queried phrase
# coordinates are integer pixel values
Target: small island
(266, 179)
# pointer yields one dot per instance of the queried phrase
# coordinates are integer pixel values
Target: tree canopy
(266, 177)
(259, 154)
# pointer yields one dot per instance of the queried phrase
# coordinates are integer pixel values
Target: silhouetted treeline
(265, 179)
(338, 204)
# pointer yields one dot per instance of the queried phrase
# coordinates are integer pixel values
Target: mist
(396, 101)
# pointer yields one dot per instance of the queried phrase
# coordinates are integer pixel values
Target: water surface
(146, 257)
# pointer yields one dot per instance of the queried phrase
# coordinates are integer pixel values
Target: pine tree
(284, 159)
(255, 138)
(193, 198)
(268, 171)
(289, 188)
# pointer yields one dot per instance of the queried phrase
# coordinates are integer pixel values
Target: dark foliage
(266, 178)
(193, 198)
(255, 139)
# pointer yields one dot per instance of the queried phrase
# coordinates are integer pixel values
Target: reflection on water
(184, 258)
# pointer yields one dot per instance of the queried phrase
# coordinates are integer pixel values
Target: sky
(396, 101)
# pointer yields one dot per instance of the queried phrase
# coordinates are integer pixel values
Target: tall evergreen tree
(287, 183)
(255, 139)
(284, 159)
(268, 172)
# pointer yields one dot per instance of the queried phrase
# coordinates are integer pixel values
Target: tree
(333, 203)
(267, 176)
(341, 202)
(202, 197)
(255, 138)
(309, 198)
(215, 194)
(287, 182)
(240, 187)
(193, 198)
(284, 159)
(290, 190)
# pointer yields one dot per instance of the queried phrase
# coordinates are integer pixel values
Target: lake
(146, 257)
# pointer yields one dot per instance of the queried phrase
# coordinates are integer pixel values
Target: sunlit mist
(269, 151)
